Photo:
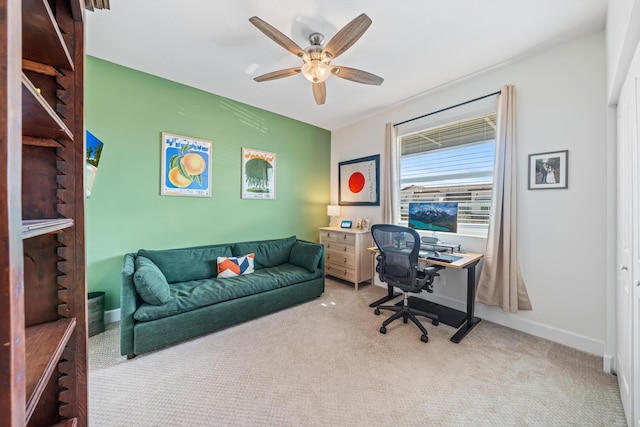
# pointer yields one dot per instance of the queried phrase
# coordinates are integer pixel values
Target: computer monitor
(434, 216)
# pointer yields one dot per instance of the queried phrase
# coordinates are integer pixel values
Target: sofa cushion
(150, 283)
(235, 266)
(306, 255)
(269, 253)
(192, 295)
(181, 265)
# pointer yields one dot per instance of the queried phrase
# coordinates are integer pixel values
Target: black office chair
(398, 266)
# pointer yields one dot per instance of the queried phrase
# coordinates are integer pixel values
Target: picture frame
(549, 171)
(365, 224)
(345, 224)
(359, 182)
(186, 166)
(258, 174)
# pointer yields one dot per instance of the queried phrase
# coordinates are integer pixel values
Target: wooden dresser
(346, 255)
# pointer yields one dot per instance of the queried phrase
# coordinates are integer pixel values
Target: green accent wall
(128, 110)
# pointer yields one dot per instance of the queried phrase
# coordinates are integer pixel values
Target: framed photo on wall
(548, 171)
(359, 182)
(186, 166)
(258, 174)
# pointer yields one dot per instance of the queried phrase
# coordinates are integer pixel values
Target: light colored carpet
(324, 363)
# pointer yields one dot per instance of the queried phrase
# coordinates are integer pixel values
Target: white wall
(561, 105)
(623, 33)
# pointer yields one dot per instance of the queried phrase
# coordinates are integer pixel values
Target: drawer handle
(344, 237)
(345, 249)
(345, 260)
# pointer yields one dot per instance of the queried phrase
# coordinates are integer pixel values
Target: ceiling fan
(316, 60)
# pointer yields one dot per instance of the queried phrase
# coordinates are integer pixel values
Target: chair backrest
(398, 260)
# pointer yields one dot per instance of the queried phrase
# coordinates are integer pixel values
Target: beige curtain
(390, 201)
(501, 282)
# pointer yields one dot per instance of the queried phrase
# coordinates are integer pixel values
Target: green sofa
(172, 295)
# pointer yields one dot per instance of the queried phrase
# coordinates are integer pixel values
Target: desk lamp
(333, 211)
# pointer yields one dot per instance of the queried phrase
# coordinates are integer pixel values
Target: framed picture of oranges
(258, 174)
(186, 166)
(359, 182)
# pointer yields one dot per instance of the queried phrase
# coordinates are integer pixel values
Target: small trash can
(95, 310)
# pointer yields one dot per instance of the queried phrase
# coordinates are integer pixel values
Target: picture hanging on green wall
(186, 166)
(258, 174)
(93, 153)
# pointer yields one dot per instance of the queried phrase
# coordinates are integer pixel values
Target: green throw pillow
(269, 253)
(306, 255)
(150, 283)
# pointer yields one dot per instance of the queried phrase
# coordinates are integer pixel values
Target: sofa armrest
(128, 305)
(309, 255)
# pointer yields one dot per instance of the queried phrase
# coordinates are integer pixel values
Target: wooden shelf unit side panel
(40, 279)
(12, 362)
(39, 166)
(73, 292)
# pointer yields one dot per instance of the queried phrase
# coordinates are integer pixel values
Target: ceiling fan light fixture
(316, 71)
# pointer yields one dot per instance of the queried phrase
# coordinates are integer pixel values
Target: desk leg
(471, 321)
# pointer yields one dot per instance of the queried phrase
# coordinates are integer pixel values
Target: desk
(468, 261)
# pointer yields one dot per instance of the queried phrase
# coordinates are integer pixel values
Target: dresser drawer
(339, 247)
(340, 272)
(342, 259)
(336, 236)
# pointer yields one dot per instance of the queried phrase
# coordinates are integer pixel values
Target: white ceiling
(415, 45)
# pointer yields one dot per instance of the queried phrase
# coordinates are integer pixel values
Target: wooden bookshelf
(43, 325)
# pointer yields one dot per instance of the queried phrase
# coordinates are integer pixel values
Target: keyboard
(439, 259)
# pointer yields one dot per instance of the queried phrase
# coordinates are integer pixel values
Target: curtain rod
(448, 108)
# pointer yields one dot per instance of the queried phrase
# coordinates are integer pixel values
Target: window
(451, 162)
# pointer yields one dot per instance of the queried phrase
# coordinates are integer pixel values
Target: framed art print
(548, 171)
(258, 174)
(359, 181)
(186, 166)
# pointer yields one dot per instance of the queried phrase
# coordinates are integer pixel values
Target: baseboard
(111, 316)
(509, 320)
(609, 364)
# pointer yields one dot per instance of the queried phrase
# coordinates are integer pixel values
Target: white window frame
(481, 191)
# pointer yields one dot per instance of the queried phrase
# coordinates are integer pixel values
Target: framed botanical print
(186, 166)
(258, 174)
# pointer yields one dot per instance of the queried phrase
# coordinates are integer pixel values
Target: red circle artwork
(356, 182)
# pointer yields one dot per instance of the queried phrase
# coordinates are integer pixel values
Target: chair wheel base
(376, 312)
(383, 330)
(435, 322)
(424, 338)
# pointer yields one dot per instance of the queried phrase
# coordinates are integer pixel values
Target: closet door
(635, 289)
(628, 238)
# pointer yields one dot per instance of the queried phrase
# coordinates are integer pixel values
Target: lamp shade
(333, 210)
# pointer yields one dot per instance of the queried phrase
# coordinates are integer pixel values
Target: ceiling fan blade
(357, 76)
(278, 37)
(320, 93)
(278, 74)
(346, 37)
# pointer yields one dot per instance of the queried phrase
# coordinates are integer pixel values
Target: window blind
(452, 162)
